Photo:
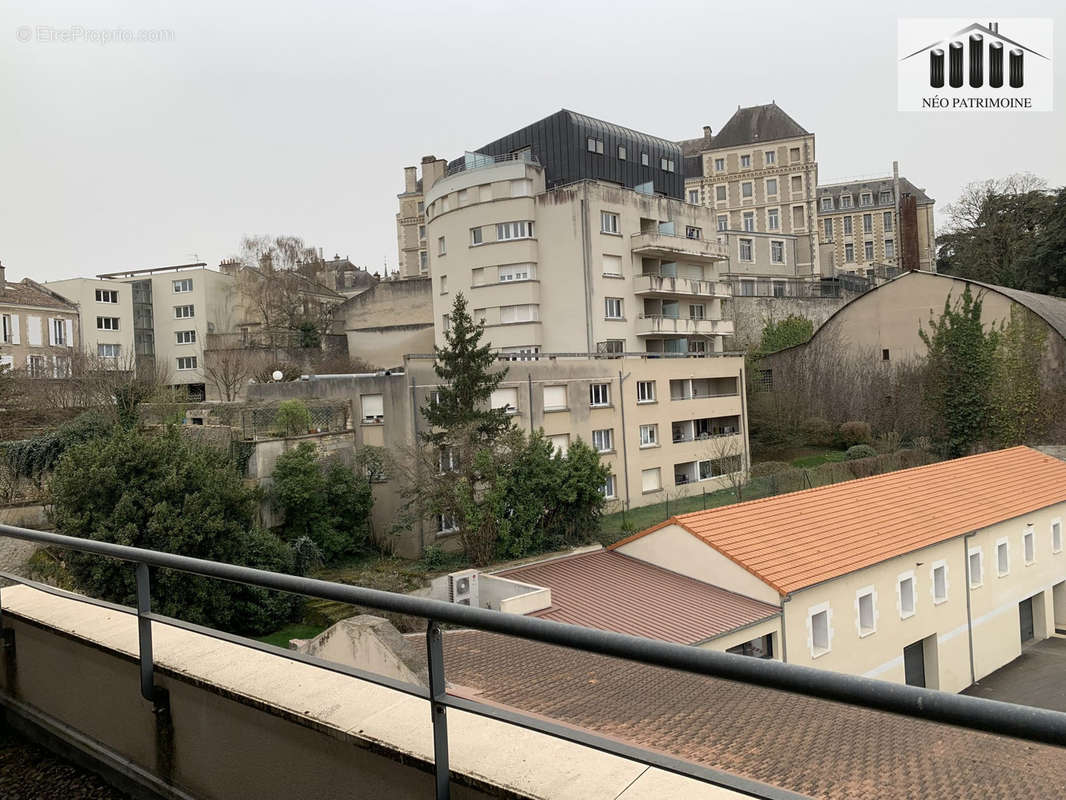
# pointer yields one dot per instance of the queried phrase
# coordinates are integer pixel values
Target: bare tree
(229, 369)
(967, 211)
(726, 453)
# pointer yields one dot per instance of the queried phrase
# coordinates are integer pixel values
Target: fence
(260, 422)
(1033, 724)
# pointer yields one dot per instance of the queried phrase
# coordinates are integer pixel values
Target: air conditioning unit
(462, 587)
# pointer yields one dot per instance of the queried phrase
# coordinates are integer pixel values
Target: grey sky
(297, 118)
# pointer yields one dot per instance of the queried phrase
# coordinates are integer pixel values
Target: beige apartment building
(39, 329)
(759, 174)
(675, 425)
(105, 312)
(585, 267)
(411, 218)
(876, 227)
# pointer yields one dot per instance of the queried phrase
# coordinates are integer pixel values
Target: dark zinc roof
(757, 124)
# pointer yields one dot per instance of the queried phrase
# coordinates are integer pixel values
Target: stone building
(40, 330)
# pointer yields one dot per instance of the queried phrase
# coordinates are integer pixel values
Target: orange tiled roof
(797, 540)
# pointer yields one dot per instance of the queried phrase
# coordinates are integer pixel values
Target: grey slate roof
(1050, 309)
(758, 124)
(874, 185)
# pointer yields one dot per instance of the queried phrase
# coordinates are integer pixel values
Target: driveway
(1035, 678)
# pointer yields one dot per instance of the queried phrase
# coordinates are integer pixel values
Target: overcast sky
(298, 118)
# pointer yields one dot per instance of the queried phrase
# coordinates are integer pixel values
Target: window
(885, 197)
(421, 233)
(719, 165)
(771, 187)
(887, 221)
(827, 204)
(108, 350)
(108, 323)
(867, 223)
(849, 253)
(599, 394)
(444, 284)
(515, 272)
(446, 322)
(694, 196)
(667, 164)
(845, 201)
(720, 193)
(608, 487)
(746, 255)
(779, 288)
(777, 252)
(423, 261)
(186, 362)
(940, 582)
(594, 145)
(1029, 546)
(507, 399)
(37, 366)
(446, 523)
(612, 307)
(58, 332)
(421, 207)
(820, 632)
(560, 444)
(603, 440)
(183, 285)
(9, 332)
(746, 189)
(644, 159)
(441, 246)
(527, 312)
(865, 604)
(828, 225)
(975, 564)
(1056, 536)
(692, 232)
(106, 296)
(798, 222)
(868, 250)
(885, 354)
(723, 222)
(522, 187)
(185, 337)
(793, 154)
(1002, 557)
(608, 222)
(848, 226)
(180, 312)
(748, 220)
(447, 459)
(747, 287)
(697, 311)
(866, 199)
(464, 197)
(373, 408)
(554, 398)
(745, 161)
(797, 184)
(906, 594)
(476, 236)
(651, 480)
(645, 391)
(890, 248)
(773, 219)
(769, 157)
(621, 152)
(649, 435)
(514, 230)
(612, 265)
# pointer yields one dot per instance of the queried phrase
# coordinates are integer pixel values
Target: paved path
(13, 554)
(1035, 678)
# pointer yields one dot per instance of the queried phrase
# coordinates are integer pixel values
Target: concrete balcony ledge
(249, 724)
(685, 287)
(678, 248)
(651, 324)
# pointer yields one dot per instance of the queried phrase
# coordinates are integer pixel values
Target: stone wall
(751, 314)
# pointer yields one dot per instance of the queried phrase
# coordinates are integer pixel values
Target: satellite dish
(277, 375)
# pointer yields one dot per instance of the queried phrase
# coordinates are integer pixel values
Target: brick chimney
(706, 133)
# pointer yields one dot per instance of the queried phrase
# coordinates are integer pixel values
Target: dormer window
(866, 199)
(846, 201)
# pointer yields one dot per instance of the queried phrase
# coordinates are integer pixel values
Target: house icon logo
(964, 65)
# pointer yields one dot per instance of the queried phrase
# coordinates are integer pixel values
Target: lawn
(296, 630)
(817, 459)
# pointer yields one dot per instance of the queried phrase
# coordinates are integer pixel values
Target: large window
(771, 187)
(555, 398)
(505, 398)
(612, 308)
(868, 250)
(769, 157)
(649, 435)
(599, 394)
(594, 145)
(849, 253)
(106, 296)
(846, 201)
(694, 196)
(185, 337)
(723, 222)
(183, 285)
(745, 161)
(827, 204)
(847, 226)
(182, 312)
(746, 189)
(749, 220)
(719, 165)
(720, 193)
(773, 219)
(560, 443)
(651, 480)
(514, 230)
(828, 225)
(108, 323)
(777, 252)
(476, 236)
(528, 312)
(108, 350)
(373, 407)
(59, 332)
(515, 272)
(645, 391)
(612, 266)
(890, 248)
(867, 223)
(887, 221)
(608, 222)
(746, 250)
(666, 164)
(186, 362)
(603, 440)
(621, 152)
(608, 487)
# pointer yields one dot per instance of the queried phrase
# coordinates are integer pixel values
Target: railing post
(435, 654)
(7, 635)
(149, 691)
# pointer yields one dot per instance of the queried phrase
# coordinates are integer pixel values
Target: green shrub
(817, 432)
(768, 468)
(292, 419)
(853, 433)
(859, 451)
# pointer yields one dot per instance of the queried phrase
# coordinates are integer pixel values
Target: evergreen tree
(465, 368)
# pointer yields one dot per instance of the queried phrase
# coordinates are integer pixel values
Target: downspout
(969, 616)
(414, 442)
(625, 456)
(784, 639)
(586, 263)
(529, 375)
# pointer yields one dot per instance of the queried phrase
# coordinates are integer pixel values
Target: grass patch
(622, 523)
(817, 459)
(297, 630)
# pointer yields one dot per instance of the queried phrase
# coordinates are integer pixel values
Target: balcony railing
(478, 160)
(688, 287)
(681, 248)
(648, 324)
(1033, 724)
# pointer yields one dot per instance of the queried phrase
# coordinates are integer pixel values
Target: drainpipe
(625, 456)
(586, 271)
(784, 639)
(414, 431)
(969, 616)
(529, 375)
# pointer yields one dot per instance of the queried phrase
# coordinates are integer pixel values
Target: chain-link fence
(262, 422)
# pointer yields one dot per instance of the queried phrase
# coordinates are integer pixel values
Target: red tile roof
(815, 747)
(796, 540)
(611, 591)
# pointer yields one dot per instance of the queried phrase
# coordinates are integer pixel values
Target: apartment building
(39, 329)
(674, 425)
(588, 266)
(876, 227)
(759, 175)
(174, 308)
(105, 312)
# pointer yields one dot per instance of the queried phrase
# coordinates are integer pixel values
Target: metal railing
(1032, 724)
(472, 161)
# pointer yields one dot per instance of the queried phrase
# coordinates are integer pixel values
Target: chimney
(707, 132)
(410, 179)
(994, 27)
(2, 284)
